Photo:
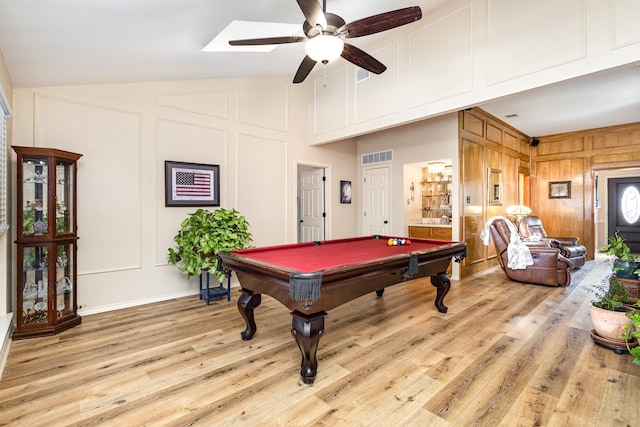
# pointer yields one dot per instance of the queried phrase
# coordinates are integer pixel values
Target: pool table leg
(246, 303)
(307, 331)
(442, 284)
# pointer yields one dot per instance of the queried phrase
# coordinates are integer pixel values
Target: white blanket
(518, 254)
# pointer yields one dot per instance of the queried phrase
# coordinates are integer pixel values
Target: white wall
(255, 131)
(468, 52)
(424, 141)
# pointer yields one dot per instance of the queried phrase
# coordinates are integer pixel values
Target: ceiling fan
(325, 33)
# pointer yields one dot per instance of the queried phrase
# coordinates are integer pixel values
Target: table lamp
(517, 212)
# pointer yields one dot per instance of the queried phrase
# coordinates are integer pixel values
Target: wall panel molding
(179, 140)
(515, 48)
(441, 58)
(331, 101)
(211, 103)
(625, 23)
(109, 139)
(370, 104)
(263, 106)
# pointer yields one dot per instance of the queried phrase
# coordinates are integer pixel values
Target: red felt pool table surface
(310, 257)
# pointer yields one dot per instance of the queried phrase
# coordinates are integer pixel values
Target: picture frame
(494, 179)
(191, 184)
(560, 189)
(345, 192)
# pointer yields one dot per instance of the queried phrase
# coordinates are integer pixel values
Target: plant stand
(208, 293)
(619, 347)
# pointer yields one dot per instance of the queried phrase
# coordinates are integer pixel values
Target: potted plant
(631, 336)
(203, 234)
(608, 311)
(625, 263)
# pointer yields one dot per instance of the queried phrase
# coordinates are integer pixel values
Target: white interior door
(376, 201)
(312, 213)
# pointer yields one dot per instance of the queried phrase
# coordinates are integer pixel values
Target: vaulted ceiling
(72, 42)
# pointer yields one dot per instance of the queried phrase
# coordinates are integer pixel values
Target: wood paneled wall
(576, 157)
(486, 143)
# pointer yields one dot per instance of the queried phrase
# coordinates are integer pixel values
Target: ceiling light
(436, 167)
(324, 48)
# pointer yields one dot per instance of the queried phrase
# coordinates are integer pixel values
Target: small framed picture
(345, 191)
(191, 184)
(560, 190)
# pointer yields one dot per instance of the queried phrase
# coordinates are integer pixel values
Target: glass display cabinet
(46, 238)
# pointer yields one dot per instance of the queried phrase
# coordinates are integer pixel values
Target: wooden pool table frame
(339, 285)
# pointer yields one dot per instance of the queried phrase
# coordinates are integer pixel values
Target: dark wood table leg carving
(247, 302)
(442, 284)
(307, 331)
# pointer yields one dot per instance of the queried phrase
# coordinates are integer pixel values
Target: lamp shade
(518, 210)
(324, 48)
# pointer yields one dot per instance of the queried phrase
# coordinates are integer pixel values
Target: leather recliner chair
(549, 267)
(569, 246)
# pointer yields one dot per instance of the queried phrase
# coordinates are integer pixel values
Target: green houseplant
(608, 310)
(630, 336)
(625, 263)
(203, 234)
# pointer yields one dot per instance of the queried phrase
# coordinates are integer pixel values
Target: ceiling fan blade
(313, 13)
(304, 69)
(362, 59)
(381, 22)
(267, 40)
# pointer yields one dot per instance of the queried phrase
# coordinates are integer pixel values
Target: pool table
(312, 278)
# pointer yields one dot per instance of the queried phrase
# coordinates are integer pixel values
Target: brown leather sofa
(569, 246)
(549, 267)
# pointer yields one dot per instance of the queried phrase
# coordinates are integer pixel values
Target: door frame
(599, 193)
(327, 196)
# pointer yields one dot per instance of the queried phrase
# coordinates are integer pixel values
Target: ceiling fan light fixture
(324, 48)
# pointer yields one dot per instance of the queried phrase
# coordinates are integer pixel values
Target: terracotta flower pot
(608, 324)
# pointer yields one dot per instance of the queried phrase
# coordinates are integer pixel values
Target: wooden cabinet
(438, 233)
(46, 239)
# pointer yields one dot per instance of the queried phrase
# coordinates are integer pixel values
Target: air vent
(362, 74)
(379, 157)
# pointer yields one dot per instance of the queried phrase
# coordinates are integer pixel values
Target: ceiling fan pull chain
(324, 78)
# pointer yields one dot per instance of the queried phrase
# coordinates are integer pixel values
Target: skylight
(238, 30)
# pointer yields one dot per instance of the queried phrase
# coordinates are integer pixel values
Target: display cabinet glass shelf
(46, 296)
(436, 196)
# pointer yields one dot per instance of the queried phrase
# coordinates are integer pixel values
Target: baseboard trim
(134, 303)
(6, 329)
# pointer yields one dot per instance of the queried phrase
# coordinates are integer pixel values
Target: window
(630, 204)
(4, 113)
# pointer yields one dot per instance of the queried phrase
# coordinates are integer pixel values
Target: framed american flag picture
(191, 184)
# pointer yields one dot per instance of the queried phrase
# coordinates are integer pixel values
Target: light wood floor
(505, 354)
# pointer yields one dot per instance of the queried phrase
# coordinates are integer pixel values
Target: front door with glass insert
(624, 210)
